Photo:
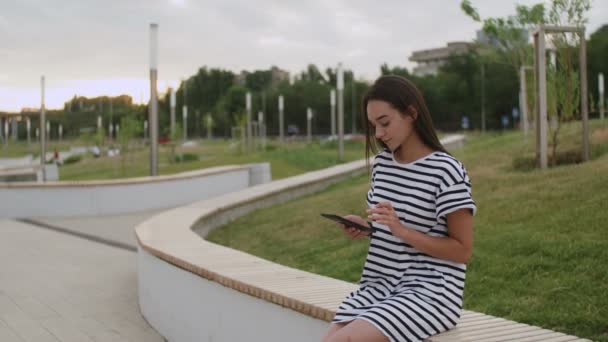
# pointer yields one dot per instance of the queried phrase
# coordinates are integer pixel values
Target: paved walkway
(115, 229)
(60, 287)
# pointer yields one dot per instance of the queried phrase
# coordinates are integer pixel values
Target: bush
(72, 159)
(188, 157)
(185, 157)
(528, 163)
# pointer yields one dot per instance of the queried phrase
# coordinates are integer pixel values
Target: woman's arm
(457, 247)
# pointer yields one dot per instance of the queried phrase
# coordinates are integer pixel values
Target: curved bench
(106, 197)
(193, 290)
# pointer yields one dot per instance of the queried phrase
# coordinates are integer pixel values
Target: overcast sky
(92, 47)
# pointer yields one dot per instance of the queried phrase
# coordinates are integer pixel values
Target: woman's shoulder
(384, 154)
(448, 165)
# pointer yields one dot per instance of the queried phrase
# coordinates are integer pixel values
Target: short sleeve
(455, 192)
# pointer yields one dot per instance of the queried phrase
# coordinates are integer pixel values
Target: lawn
(286, 159)
(541, 237)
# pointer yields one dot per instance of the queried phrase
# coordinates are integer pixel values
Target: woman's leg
(333, 328)
(358, 331)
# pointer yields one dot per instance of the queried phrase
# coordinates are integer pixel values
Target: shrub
(72, 159)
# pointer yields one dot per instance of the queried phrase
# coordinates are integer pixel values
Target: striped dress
(406, 294)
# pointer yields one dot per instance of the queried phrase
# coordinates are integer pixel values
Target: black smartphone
(348, 223)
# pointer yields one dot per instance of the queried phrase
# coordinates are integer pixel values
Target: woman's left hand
(384, 213)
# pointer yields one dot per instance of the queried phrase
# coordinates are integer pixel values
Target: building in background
(430, 60)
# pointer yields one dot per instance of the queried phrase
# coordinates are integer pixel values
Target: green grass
(541, 237)
(288, 159)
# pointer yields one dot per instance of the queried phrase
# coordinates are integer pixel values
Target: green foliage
(72, 159)
(395, 70)
(597, 50)
(186, 157)
(175, 138)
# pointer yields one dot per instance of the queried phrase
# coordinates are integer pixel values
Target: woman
(421, 210)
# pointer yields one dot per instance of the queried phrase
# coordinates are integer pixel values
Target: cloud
(103, 40)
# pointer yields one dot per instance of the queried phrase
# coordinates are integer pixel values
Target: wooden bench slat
(471, 328)
(516, 337)
(556, 337)
(501, 330)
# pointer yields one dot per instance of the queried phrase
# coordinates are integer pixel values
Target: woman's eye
(384, 124)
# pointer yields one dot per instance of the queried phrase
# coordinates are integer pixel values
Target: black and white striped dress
(406, 294)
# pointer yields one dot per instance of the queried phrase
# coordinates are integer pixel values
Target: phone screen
(347, 222)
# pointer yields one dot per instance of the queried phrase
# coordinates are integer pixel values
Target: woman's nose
(379, 133)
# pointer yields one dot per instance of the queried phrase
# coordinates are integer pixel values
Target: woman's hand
(384, 213)
(352, 231)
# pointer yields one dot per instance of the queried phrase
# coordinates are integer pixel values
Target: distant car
(292, 130)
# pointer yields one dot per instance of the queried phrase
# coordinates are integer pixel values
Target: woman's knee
(333, 328)
(358, 331)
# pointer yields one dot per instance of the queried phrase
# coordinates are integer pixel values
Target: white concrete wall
(184, 307)
(117, 197)
(22, 161)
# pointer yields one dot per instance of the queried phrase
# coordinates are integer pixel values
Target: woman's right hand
(352, 231)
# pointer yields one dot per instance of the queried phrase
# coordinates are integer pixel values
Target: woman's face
(391, 126)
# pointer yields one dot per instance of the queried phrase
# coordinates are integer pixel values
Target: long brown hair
(400, 93)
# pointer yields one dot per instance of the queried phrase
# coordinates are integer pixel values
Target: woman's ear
(413, 112)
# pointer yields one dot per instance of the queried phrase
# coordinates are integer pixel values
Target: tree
(565, 88)
(129, 129)
(597, 50)
(511, 35)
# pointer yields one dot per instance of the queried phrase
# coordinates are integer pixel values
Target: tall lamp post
(42, 130)
(281, 123)
(332, 101)
(340, 88)
(600, 88)
(249, 135)
(153, 108)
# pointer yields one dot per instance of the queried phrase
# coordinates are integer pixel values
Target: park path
(72, 279)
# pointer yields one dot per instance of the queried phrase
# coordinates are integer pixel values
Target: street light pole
(340, 87)
(600, 88)
(153, 110)
(483, 98)
(354, 107)
(248, 106)
(281, 123)
(172, 114)
(42, 130)
(332, 101)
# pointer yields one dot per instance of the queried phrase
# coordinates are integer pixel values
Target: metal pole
(332, 99)
(14, 128)
(584, 94)
(249, 133)
(28, 129)
(6, 132)
(483, 98)
(523, 99)
(185, 123)
(153, 108)
(354, 107)
(600, 88)
(262, 129)
(340, 87)
(172, 125)
(281, 123)
(42, 130)
(111, 111)
(541, 90)
(185, 106)
(308, 124)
